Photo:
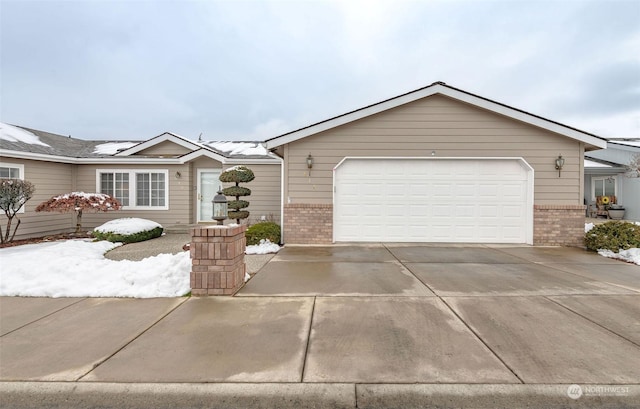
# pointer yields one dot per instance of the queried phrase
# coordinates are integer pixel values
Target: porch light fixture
(559, 164)
(219, 207)
(309, 161)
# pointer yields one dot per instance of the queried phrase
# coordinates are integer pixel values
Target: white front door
(207, 187)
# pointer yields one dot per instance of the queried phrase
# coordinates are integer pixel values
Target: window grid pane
(122, 188)
(157, 189)
(106, 183)
(142, 189)
(9, 173)
(598, 188)
(609, 187)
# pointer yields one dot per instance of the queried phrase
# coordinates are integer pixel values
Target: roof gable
(167, 136)
(446, 90)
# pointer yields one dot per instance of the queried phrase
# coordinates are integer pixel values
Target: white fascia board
(88, 161)
(116, 160)
(426, 92)
(37, 156)
(254, 161)
(345, 119)
(524, 117)
(202, 152)
(227, 161)
(159, 139)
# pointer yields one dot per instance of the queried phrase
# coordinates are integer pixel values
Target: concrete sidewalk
(346, 326)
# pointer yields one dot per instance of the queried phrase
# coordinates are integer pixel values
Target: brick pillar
(558, 225)
(306, 223)
(217, 259)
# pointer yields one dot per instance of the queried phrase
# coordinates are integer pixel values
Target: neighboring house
(168, 179)
(434, 165)
(607, 174)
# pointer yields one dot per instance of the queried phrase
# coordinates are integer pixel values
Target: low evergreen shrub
(614, 236)
(263, 230)
(129, 238)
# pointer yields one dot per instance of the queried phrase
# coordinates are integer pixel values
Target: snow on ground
(127, 225)
(78, 268)
(265, 247)
(14, 134)
(631, 256)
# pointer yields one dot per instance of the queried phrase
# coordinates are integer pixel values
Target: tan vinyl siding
(166, 148)
(50, 179)
(179, 191)
(265, 192)
(446, 126)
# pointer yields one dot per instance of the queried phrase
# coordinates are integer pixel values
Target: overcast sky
(256, 69)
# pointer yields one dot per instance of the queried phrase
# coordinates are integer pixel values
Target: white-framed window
(136, 189)
(603, 186)
(12, 171)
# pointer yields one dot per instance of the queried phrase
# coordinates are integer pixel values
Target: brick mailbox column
(217, 259)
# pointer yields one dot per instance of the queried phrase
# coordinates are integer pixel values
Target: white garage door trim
(528, 209)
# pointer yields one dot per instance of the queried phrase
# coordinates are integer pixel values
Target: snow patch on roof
(239, 148)
(591, 164)
(111, 148)
(14, 134)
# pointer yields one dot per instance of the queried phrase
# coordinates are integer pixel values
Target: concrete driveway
(368, 325)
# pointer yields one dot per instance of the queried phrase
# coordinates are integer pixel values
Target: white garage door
(433, 200)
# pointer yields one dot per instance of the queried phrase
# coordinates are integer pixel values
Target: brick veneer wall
(306, 223)
(217, 259)
(558, 225)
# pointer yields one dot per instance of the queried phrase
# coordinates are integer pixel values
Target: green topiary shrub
(128, 238)
(264, 230)
(237, 175)
(614, 236)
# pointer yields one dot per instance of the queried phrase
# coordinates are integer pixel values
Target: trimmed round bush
(237, 204)
(236, 191)
(128, 238)
(614, 236)
(237, 174)
(263, 230)
(238, 214)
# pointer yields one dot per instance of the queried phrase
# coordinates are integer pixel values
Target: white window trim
(20, 168)
(133, 186)
(602, 178)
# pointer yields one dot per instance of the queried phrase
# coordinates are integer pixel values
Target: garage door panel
(432, 200)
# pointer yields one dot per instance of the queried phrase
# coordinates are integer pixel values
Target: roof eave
(438, 88)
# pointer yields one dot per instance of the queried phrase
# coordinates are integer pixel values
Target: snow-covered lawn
(78, 268)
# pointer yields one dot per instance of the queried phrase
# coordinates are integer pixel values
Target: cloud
(130, 70)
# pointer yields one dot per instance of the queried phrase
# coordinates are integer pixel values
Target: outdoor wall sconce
(309, 161)
(219, 207)
(559, 164)
(178, 175)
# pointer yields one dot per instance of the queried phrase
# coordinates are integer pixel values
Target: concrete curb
(173, 395)
(497, 396)
(313, 395)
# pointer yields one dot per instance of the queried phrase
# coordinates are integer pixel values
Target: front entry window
(603, 186)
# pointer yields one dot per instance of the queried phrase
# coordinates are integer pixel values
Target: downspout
(281, 193)
(281, 199)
